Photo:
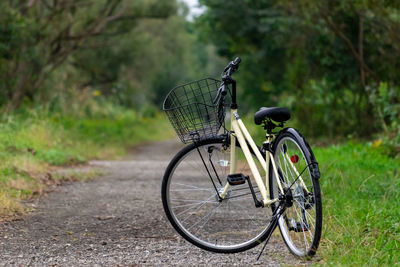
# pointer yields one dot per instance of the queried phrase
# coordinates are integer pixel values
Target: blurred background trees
(334, 63)
(128, 51)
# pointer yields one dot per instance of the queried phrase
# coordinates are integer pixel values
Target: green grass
(361, 201)
(34, 142)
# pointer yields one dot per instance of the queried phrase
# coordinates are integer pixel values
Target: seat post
(269, 126)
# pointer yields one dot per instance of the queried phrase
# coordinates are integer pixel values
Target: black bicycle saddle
(274, 113)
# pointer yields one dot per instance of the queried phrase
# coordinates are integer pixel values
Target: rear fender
(308, 152)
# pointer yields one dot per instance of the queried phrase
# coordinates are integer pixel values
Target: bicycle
(214, 189)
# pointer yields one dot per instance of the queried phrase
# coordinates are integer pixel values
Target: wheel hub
(220, 191)
(288, 197)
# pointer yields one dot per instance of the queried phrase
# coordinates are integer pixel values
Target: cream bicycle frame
(241, 134)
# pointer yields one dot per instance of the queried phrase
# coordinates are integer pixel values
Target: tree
(38, 36)
(324, 59)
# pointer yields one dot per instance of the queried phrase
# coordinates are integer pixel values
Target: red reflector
(294, 158)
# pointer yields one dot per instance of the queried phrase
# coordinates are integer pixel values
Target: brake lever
(228, 66)
(217, 97)
(221, 92)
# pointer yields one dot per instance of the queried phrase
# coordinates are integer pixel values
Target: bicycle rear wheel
(192, 205)
(301, 223)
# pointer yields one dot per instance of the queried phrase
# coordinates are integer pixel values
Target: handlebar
(226, 78)
(232, 66)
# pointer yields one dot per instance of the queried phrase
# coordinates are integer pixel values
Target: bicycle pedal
(236, 179)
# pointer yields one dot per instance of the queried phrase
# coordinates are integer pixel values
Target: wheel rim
(298, 223)
(231, 224)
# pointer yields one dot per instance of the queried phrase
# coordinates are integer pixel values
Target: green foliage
(131, 52)
(38, 38)
(386, 99)
(323, 60)
(57, 157)
(361, 200)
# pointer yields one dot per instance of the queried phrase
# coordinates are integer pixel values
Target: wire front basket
(191, 110)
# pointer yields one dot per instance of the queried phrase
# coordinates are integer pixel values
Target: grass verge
(361, 202)
(33, 145)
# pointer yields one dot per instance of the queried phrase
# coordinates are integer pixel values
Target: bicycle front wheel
(301, 223)
(190, 190)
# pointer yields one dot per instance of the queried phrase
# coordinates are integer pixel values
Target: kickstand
(272, 225)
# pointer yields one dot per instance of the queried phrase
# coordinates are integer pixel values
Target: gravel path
(116, 219)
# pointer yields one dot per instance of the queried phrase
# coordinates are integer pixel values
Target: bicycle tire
(233, 225)
(301, 224)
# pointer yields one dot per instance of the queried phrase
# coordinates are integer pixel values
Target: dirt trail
(116, 219)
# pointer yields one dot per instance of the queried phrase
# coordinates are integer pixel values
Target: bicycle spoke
(200, 203)
(312, 219)
(201, 219)
(188, 205)
(192, 186)
(250, 218)
(302, 223)
(230, 211)
(234, 199)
